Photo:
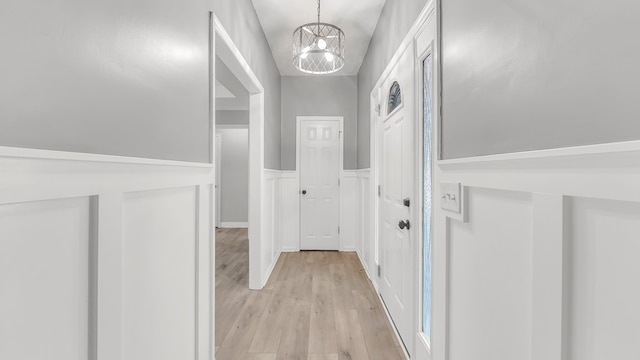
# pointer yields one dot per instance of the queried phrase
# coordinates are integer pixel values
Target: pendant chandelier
(318, 48)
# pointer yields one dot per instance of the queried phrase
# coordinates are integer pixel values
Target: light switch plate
(450, 197)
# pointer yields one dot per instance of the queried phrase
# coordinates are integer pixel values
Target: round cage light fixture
(318, 48)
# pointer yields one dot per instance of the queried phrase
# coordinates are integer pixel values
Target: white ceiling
(357, 18)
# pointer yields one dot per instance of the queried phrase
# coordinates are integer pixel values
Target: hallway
(316, 306)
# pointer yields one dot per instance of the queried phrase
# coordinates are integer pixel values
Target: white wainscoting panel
(271, 243)
(159, 274)
(349, 211)
(490, 277)
(365, 244)
(290, 211)
(105, 257)
(603, 273)
(44, 272)
(546, 267)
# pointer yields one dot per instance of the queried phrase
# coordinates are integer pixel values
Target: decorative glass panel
(395, 97)
(426, 204)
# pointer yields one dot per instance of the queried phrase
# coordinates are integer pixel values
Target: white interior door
(319, 163)
(397, 176)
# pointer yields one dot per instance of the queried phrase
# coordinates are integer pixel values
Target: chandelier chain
(318, 12)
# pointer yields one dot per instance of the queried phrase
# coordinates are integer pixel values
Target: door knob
(304, 192)
(404, 224)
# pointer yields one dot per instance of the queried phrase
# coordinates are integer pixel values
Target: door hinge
(338, 229)
(339, 134)
(379, 270)
(379, 191)
(338, 182)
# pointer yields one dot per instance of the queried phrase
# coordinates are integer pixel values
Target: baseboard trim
(234, 225)
(291, 250)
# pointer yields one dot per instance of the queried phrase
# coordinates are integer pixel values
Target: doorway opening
(232, 150)
(224, 52)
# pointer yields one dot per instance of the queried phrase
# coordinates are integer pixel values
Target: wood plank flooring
(317, 305)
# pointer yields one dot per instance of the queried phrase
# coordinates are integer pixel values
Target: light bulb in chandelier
(322, 44)
(328, 56)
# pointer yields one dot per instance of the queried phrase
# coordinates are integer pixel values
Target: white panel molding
(290, 211)
(32, 176)
(348, 211)
(47, 302)
(364, 244)
(160, 274)
(548, 253)
(359, 218)
(271, 241)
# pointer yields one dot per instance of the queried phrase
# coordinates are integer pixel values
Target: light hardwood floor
(317, 305)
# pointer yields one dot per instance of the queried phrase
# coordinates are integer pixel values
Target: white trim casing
(225, 49)
(218, 189)
(426, 44)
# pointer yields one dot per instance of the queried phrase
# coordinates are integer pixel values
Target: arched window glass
(395, 97)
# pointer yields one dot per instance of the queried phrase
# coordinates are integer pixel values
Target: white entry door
(319, 163)
(397, 176)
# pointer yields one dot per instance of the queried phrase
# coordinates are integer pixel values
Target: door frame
(218, 188)
(439, 273)
(426, 44)
(377, 172)
(299, 120)
(223, 47)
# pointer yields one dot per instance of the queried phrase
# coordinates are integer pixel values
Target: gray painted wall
(521, 75)
(319, 95)
(395, 21)
(234, 189)
(232, 117)
(122, 77)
